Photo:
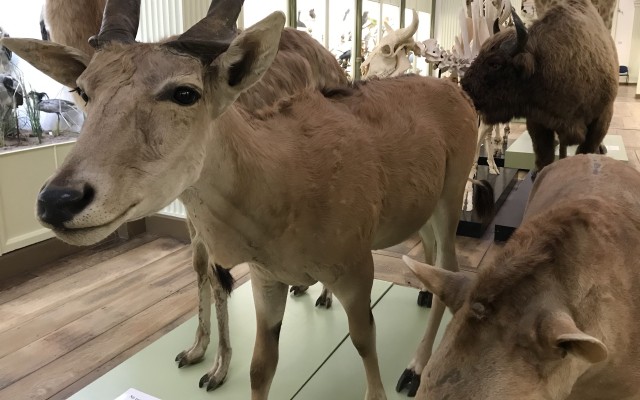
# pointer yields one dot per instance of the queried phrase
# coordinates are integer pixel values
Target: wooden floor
(63, 326)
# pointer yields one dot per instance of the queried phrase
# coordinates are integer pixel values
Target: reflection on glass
(312, 18)
(255, 10)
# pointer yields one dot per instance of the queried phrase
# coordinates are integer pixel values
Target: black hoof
(602, 149)
(212, 384)
(425, 299)
(408, 380)
(324, 301)
(298, 290)
(180, 355)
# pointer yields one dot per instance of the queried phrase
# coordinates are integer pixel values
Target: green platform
(317, 360)
(520, 154)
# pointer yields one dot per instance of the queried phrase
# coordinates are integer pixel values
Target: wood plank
(140, 287)
(133, 299)
(71, 367)
(241, 276)
(469, 250)
(67, 266)
(28, 306)
(393, 269)
(404, 247)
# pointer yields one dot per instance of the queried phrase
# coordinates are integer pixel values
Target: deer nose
(57, 205)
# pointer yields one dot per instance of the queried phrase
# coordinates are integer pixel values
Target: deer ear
(563, 336)
(451, 287)
(62, 63)
(249, 55)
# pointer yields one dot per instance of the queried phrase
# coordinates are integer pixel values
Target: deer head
(151, 111)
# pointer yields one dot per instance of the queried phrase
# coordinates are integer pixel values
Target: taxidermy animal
(302, 191)
(301, 62)
(11, 97)
(518, 71)
(555, 315)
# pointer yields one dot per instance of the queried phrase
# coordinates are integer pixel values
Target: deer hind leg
(425, 298)
(484, 131)
(218, 372)
(270, 298)
(444, 222)
(195, 353)
(324, 300)
(353, 289)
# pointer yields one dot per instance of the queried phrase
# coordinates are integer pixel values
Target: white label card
(133, 394)
(614, 148)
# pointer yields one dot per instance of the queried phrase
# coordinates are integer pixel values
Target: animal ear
(525, 63)
(451, 287)
(562, 334)
(250, 55)
(62, 63)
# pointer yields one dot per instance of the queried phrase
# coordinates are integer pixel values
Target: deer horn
(119, 23)
(213, 34)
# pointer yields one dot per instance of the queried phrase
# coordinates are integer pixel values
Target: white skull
(390, 57)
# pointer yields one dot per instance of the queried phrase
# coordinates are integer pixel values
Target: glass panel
(340, 35)
(312, 18)
(255, 10)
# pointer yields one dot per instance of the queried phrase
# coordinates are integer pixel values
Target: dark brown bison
(560, 74)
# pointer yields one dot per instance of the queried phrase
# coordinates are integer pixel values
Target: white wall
(623, 30)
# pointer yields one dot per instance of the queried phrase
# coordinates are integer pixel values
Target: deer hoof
(211, 382)
(324, 301)
(602, 149)
(298, 290)
(408, 380)
(184, 359)
(425, 299)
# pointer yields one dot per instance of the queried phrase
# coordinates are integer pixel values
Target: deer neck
(236, 178)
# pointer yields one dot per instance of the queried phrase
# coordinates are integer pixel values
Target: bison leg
(270, 298)
(353, 289)
(596, 132)
(542, 139)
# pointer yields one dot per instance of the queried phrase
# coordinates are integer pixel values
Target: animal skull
(390, 57)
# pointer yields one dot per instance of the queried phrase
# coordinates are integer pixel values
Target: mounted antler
(119, 23)
(213, 34)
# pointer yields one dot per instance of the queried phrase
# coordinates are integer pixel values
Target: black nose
(56, 205)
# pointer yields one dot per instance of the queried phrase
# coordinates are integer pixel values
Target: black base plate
(470, 223)
(512, 211)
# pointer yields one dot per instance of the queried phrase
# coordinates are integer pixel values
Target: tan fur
(71, 20)
(302, 193)
(301, 63)
(555, 315)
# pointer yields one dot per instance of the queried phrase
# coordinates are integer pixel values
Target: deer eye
(185, 96)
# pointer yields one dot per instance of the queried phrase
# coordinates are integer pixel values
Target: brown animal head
(150, 110)
(504, 344)
(497, 79)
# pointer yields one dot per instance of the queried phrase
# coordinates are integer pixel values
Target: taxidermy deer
(301, 191)
(314, 66)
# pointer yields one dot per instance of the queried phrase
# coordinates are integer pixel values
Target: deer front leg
(218, 372)
(270, 298)
(195, 353)
(353, 289)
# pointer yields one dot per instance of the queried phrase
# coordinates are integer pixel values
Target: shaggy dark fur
(561, 75)
(224, 277)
